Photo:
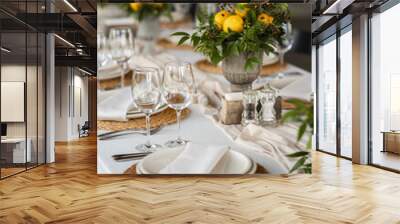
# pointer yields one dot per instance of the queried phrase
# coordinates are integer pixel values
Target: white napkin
(196, 159)
(114, 104)
(267, 148)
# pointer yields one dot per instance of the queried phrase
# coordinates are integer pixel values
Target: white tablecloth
(197, 127)
(201, 128)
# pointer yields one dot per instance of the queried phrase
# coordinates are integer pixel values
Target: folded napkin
(196, 159)
(114, 104)
(267, 148)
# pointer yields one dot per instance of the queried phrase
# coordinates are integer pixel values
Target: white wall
(13, 73)
(33, 126)
(70, 83)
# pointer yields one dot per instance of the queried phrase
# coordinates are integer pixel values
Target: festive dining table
(266, 146)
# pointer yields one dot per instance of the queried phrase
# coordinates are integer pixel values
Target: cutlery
(130, 156)
(113, 134)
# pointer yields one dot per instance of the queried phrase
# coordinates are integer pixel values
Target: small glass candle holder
(249, 115)
(268, 97)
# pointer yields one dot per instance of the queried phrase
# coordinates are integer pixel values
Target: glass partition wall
(334, 94)
(22, 77)
(385, 90)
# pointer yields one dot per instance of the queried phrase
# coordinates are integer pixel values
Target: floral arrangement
(145, 10)
(239, 28)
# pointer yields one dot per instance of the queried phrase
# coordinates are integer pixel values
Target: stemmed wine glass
(285, 45)
(178, 86)
(103, 56)
(146, 94)
(121, 48)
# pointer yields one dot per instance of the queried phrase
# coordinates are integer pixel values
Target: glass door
(385, 89)
(326, 129)
(22, 101)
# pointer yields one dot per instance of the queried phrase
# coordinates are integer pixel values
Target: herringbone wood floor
(69, 191)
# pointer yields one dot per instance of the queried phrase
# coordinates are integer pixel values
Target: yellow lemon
(265, 18)
(233, 23)
(220, 17)
(135, 6)
(241, 9)
(242, 12)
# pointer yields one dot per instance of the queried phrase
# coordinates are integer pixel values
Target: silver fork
(114, 134)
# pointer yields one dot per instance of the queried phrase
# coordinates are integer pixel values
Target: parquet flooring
(70, 191)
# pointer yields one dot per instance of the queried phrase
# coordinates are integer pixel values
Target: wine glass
(285, 45)
(121, 48)
(103, 56)
(178, 86)
(146, 94)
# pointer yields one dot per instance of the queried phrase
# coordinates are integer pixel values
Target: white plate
(233, 162)
(139, 168)
(109, 71)
(132, 114)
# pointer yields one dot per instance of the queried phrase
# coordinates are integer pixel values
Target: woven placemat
(167, 44)
(113, 83)
(165, 117)
(267, 70)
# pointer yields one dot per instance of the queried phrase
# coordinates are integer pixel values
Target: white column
(50, 99)
(360, 90)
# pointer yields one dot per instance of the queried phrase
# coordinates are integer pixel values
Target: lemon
(241, 9)
(233, 23)
(135, 6)
(265, 18)
(220, 17)
(242, 12)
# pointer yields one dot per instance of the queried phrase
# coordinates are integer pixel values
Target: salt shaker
(268, 97)
(249, 115)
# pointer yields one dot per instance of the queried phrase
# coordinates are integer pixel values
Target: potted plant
(238, 35)
(148, 15)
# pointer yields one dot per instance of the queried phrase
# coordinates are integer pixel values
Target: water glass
(121, 47)
(178, 87)
(146, 94)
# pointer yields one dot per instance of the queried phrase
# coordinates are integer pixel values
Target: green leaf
(309, 142)
(182, 40)
(301, 131)
(298, 164)
(251, 62)
(289, 115)
(195, 40)
(298, 154)
(180, 34)
(307, 168)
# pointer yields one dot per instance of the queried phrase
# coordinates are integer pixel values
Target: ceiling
(332, 15)
(74, 22)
